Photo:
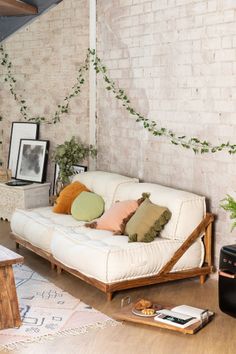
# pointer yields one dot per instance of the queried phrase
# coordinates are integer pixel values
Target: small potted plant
(229, 204)
(70, 153)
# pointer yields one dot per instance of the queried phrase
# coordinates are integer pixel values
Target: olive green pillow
(87, 206)
(147, 222)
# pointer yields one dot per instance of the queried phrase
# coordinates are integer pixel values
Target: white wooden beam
(92, 80)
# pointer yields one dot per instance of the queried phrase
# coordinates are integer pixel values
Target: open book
(183, 316)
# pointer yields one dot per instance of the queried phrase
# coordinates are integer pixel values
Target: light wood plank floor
(218, 337)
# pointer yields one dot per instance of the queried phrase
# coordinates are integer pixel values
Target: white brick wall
(179, 60)
(45, 57)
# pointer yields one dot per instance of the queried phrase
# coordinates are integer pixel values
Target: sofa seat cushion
(36, 225)
(100, 255)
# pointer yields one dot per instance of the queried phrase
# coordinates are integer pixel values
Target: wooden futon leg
(59, 270)
(109, 296)
(202, 278)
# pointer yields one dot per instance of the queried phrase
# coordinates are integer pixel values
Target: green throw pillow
(87, 206)
(147, 222)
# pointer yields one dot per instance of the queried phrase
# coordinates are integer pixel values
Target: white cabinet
(25, 197)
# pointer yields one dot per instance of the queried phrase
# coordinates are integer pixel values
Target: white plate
(139, 313)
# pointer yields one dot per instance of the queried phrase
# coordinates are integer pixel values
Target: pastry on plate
(142, 304)
(148, 312)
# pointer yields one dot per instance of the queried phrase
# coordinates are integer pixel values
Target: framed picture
(56, 174)
(32, 160)
(19, 130)
(77, 169)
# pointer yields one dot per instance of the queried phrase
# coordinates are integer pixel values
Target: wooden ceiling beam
(16, 8)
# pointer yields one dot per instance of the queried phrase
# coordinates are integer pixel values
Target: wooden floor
(218, 337)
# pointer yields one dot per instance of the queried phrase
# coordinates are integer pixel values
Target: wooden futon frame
(164, 275)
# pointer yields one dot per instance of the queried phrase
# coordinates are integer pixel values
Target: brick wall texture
(176, 59)
(45, 57)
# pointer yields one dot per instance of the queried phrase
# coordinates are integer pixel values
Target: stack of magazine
(183, 316)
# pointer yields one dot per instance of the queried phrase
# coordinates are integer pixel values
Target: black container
(227, 280)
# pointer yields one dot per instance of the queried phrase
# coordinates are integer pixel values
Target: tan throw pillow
(147, 222)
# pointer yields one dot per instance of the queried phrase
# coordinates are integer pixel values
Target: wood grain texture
(208, 244)
(16, 8)
(125, 314)
(188, 242)
(157, 279)
(9, 308)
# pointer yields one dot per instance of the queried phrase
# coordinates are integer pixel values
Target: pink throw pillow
(116, 217)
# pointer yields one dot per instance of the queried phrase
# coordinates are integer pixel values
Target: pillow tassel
(92, 225)
(144, 196)
(133, 238)
(123, 224)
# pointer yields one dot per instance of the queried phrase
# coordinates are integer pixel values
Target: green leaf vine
(193, 143)
(229, 204)
(61, 109)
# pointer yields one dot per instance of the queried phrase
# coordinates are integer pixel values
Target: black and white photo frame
(32, 160)
(77, 169)
(20, 130)
(56, 175)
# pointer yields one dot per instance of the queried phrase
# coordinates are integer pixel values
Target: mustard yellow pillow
(147, 222)
(67, 196)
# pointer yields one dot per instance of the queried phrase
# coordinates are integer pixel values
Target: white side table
(25, 197)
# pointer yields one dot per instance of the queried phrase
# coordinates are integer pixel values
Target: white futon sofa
(110, 262)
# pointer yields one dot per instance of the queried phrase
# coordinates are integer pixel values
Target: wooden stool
(9, 307)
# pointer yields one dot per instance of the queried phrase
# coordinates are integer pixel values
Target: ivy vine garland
(193, 143)
(61, 108)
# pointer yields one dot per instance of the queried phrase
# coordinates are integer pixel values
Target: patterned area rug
(47, 311)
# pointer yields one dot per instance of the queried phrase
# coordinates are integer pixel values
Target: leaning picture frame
(77, 169)
(56, 174)
(32, 160)
(19, 130)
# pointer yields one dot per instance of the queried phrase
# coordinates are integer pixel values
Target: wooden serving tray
(125, 314)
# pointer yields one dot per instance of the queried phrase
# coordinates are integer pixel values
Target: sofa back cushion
(187, 209)
(104, 183)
